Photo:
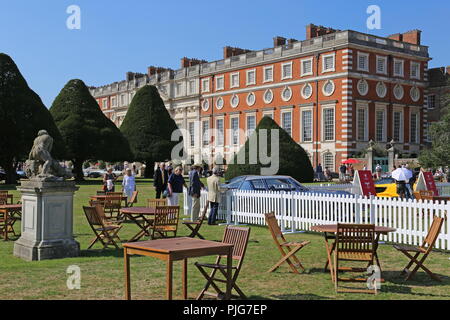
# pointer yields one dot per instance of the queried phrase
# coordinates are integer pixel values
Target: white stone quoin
(47, 221)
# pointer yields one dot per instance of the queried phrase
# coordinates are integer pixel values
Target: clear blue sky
(121, 36)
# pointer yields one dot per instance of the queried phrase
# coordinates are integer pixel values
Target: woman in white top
(128, 184)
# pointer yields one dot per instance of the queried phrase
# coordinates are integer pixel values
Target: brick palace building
(333, 93)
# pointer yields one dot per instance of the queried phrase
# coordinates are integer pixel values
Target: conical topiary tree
(22, 115)
(86, 131)
(293, 160)
(148, 128)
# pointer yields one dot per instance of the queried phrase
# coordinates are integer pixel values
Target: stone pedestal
(47, 221)
(391, 159)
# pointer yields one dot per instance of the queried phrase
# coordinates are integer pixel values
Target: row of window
(381, 89)
(381, 66)
(328, 126)
(306, 69)
(286, 95)
(122, 100)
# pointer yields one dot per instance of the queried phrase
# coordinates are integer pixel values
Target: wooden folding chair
(133, 199)
(424, 249)
(239, 238)
(356, 243)
(115, 194)
(154, 203)
(104, 231)
(195, 226)
(166, 221)
(287, 249)
(112, 206)
(6, 224)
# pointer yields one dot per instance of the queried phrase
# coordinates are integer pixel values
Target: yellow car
(386, 187)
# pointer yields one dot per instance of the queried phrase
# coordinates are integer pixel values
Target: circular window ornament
(381, 89)
(363, 87)
(268, 96)
(286, 94)
(234, 101)
(205, 105)
(399, 92)
(251, 99)
(307, 91)
(328, 88)
(415, 94)
(219, 103)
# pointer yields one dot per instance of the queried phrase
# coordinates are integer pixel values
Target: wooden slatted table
(177, 249)
(9, 212)
(140, 216)
(329, 232)
(103, 197)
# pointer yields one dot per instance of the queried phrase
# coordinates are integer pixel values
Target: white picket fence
(300, 211)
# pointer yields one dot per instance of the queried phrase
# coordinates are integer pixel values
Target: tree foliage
(22, 115)
(86, 131)
(293, 159)
(148, 127)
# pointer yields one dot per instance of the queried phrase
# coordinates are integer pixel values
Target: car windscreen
(279, 184)
(385, 181)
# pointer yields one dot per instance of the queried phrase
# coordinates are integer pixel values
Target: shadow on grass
(298, 296)
(96, 253)
(420, 279)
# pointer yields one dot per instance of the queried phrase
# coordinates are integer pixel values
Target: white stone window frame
(403, 91)
(302, 70)
(302, 91)
(234, 105)
(324, 162)
(249, 83)
(207, 132)
(324, 57)
(365, 55)
(385, 59)
(192, 143)
(402, 123)
(216, 134)
(268, 113)
(415, 111)
(264, 96)
(220, 99)
(206, 85)
(385, 89)
(231, 79)
(247, 99)
(283, 76)
(231, 131)
(290, 94)
(205, 102)
(267, 68)
(114, 101)
(192, 90)
(417, 64)
(365, 107)
(312, 124)
(222, 87)
(383, 108)
(105, 103)
(332, 92)
(414, 88)
(402, 73)
(246, 123)
(323, 108)
(282, 113)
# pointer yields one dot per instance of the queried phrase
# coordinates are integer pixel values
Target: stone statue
(390, 146)
(372, 144)
(40, 164)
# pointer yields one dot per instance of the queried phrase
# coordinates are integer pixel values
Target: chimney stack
(189, 62)
(279, 41)
(229, 52)
(447, 70)
(313, 31)
(413, 37)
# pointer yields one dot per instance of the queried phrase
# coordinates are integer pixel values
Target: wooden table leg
(229, 265)
(184, 277)
(169, 278)
(127, 274)
(329, 258)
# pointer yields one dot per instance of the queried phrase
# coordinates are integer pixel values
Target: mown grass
(102, 275)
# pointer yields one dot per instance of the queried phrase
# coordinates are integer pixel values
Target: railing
(300, 211)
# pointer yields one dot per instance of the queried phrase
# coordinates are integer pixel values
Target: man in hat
(195, 186)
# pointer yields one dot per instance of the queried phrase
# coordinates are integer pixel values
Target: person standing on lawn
(108, 181)
(213, 183)
(160, 179)
(195, 186)
(128, 184)
(175, 186)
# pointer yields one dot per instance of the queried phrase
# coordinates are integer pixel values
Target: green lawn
(102, 274)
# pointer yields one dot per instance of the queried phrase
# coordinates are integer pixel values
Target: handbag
(165, 194)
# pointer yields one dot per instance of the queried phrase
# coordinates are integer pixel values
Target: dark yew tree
(148, 127)
(86, 131)
(22, 115)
